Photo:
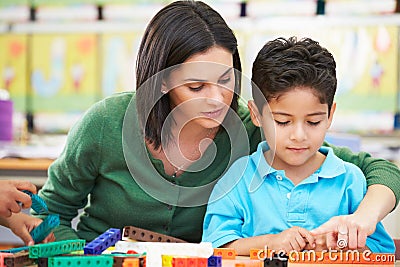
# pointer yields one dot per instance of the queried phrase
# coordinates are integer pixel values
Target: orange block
(225, 253)
(189, 262)
(259, 254)
(131, 262)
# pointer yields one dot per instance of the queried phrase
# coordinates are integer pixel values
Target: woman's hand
(347, 231)
(295, 238)
(355, 228)
(21, 224)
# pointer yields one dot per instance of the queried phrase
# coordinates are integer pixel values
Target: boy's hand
(295, 238)
(320, 243)
(21, 224)
(11, 193)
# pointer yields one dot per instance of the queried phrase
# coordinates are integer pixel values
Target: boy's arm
(292, 239)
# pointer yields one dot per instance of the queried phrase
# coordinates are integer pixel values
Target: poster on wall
(63, 77)
(63, 74)
(366, 58)
(118, 62)
(13, 68)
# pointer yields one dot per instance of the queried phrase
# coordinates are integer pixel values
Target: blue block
(44, 229)
(38, 204)
(102, 242)
(215, 261)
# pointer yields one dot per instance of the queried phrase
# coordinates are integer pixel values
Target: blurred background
(58, 57)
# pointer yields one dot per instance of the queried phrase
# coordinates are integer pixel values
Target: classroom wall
(56, 67)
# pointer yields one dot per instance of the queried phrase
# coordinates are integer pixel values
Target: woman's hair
(177, 32)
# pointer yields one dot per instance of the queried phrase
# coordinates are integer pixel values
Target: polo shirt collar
(332, 166)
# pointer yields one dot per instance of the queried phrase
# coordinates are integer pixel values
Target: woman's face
(201, 89)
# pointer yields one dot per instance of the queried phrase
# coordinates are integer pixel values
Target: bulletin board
(118, 62)
(13, 67)
(64, 72)
(367, 70)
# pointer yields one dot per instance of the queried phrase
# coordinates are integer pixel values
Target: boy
(291, 184)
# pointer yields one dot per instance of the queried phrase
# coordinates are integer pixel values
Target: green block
(88, 261)
(56, 248)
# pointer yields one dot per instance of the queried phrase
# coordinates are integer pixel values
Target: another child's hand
(21, 224)
(295, 238)
(11, 193)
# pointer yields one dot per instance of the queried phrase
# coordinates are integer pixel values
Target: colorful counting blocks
(38, 204)
(87, 261)
(225, 253)
(102, 242)
(56, 248)
(215, 261)
(44, 229)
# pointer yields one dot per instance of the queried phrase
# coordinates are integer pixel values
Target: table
(34, 170)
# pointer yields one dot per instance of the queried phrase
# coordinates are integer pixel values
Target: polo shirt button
(279, 178)
(288, 195)
(169, 207)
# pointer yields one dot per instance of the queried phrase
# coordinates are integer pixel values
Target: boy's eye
(314, 123)
(283, 123)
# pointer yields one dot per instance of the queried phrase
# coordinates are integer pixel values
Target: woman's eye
(196, 87)
(283, 123)
(225, 81)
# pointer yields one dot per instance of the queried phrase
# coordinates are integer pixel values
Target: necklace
(193, 154)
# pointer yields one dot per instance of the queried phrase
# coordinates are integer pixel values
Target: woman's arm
(383, 181)
(376, 171)
(377, 203)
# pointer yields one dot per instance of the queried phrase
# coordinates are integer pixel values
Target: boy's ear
(332, 112)
(254, 114)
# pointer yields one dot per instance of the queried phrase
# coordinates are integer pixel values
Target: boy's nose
(298, 133)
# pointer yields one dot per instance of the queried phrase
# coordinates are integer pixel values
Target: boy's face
(294, 126)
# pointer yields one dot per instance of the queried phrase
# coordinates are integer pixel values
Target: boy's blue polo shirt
(254, 199)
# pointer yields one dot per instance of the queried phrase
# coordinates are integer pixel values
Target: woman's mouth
(213, 114)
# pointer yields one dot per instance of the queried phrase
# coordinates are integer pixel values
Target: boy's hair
(283, 64)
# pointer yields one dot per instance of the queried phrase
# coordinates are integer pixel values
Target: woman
(140, 158)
